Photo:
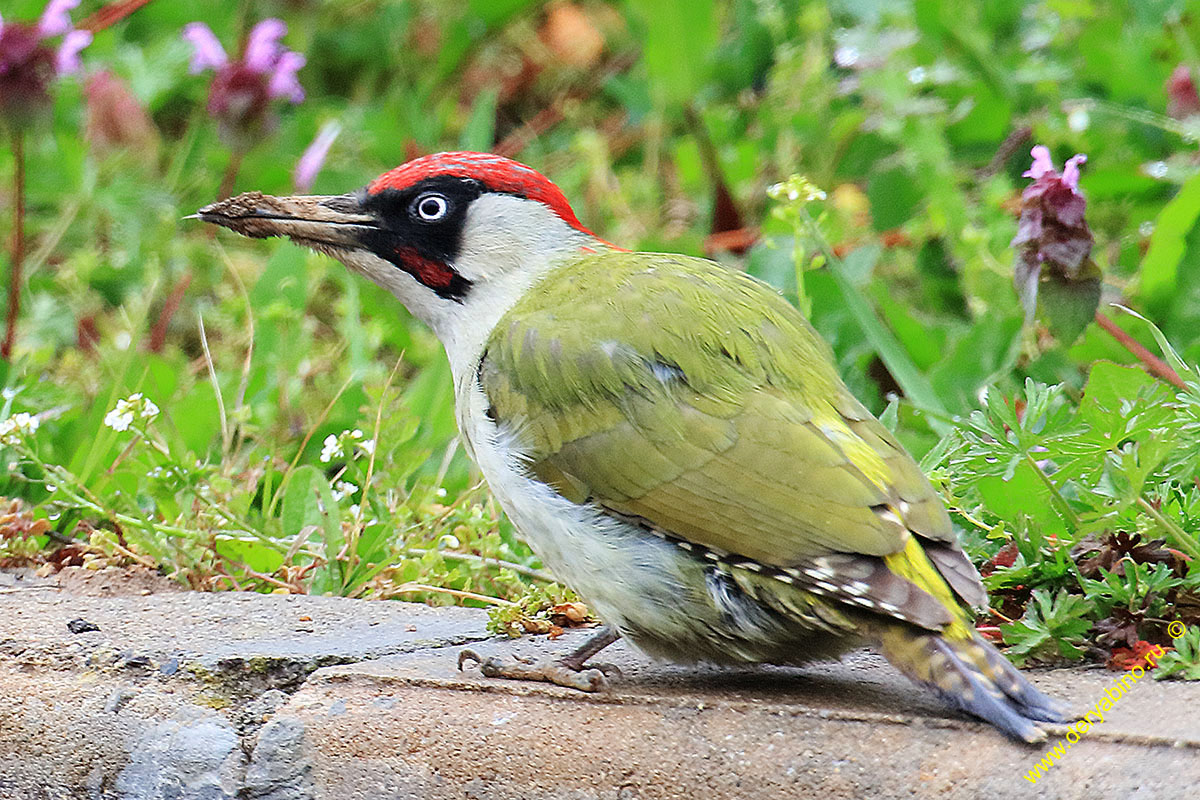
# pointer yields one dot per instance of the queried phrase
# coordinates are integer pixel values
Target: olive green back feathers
(698, 401)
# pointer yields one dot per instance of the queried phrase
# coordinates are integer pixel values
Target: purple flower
(263, 48)
(284, 82)
(66, 61)
(241, 89)
(207, 52)
(28, 64)
(56, 18)
(314, 157)
(1053, 241)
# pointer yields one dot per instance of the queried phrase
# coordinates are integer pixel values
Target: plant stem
(18, 245)
(1153, 364)
(424, 587)
(471, 558)
(1178, 534)
(1064, 509)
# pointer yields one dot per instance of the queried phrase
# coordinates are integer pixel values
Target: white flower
(331, 448)
(343, 489)
(352, 440)
(16, 427)
(122, 414)
(118, 420)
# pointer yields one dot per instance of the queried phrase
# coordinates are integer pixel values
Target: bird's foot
(560, 671)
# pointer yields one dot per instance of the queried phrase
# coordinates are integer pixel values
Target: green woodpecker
(671, 437)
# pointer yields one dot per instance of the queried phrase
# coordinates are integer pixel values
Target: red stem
(111, 14)
(1153, 364)
(158, 334)
(18, 246)
(231, 173)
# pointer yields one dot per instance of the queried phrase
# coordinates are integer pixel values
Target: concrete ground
(160, 694)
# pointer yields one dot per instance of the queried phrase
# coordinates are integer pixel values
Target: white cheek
(506, 234)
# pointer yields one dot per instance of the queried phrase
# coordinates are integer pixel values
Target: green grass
(1072, 472)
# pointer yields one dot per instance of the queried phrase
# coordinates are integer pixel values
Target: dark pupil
(430, 207)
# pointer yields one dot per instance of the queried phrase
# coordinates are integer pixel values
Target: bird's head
(456, 236)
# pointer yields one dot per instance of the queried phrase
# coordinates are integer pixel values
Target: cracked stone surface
(187, 696)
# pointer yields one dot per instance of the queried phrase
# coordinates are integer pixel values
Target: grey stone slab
(178, 695)
(275, 639)
(855, 728)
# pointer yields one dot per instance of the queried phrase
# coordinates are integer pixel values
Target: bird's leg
(567, 671)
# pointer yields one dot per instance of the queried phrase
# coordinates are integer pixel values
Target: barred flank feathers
(970, 674)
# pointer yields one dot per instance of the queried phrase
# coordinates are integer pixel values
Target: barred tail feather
(972, 675)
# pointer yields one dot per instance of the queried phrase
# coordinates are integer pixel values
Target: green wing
(695, 399)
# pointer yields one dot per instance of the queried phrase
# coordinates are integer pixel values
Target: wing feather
(699, 402)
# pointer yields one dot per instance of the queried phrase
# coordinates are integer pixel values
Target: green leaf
(1022, 494)
(1051, 625)
(479, 134)
(300, 504)
(914, 383)
(1186, 372)
(677, 38)
(1184, 660)
(255, 555)
(1168, 244)
(309, 503)
(1068, 306)
(1108, 384)
(894, 195)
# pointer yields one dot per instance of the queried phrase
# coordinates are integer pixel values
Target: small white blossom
(343, 489)
(797, 190)
(118, 420)
(123, 413)
(16, 427)
(336, 446)
(331, 448)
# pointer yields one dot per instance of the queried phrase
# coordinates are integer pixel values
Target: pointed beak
(324, 223)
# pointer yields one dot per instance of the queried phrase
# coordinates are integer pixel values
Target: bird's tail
(972, 675)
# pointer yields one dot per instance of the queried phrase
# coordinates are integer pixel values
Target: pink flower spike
(313, 159)
(263, 48)
(56, 18)
(283, 81)
(1041, 162)
(66, 60)
(1, 23)
(1070, 175)
(207, 52)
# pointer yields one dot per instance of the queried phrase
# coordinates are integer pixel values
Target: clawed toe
(546, 670)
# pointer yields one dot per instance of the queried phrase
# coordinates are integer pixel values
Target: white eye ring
(431, 206)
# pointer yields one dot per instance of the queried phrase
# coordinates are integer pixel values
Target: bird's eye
(431, 207)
